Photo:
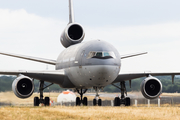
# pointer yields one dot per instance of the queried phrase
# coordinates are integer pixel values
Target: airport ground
(29, 112)
(89, 113)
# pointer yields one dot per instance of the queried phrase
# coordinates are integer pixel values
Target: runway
(113, 95)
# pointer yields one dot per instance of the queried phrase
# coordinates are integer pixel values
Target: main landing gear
(123, 100)
(81, 100)
(40, 100)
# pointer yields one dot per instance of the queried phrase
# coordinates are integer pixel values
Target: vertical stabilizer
(71, 12)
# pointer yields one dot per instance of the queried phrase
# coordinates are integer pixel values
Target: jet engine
(151, 87)
(23, 86)
(72, 34)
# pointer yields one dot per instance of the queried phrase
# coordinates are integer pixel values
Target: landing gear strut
(123, 100)
(96, 100)
(81, 100)
(40, 100)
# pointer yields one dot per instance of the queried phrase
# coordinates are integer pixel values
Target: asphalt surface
(113, 95)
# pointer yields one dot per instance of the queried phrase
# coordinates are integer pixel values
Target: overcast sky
(34, 27)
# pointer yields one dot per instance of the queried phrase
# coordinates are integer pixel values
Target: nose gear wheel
(97, 101)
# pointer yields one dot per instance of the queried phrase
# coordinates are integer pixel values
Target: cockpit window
(101, 55)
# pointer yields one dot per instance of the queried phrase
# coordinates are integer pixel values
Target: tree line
(168, 87)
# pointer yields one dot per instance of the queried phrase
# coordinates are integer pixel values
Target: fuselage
(90, 64)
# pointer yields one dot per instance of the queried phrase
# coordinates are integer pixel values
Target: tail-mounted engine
(72, 34)
(151, 87)
(23, 86)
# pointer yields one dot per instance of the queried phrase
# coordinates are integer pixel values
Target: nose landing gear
(97, 100)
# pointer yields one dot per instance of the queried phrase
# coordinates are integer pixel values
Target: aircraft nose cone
(102, 72)
(103, 75)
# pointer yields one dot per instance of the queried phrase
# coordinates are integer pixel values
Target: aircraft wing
(132, 55)
(129, 76)
(42, 60)
(55, 76)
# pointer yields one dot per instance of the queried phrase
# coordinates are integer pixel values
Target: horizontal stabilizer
(52, 62)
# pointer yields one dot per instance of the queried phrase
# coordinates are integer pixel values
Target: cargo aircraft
(83, 65)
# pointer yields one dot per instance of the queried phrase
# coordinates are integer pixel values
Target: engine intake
(151, 87)
(72, 34)
(23, 86)
(75, 32)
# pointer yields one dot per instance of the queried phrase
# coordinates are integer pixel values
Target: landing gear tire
(46, 101)
(94, 102)
(99, 102)
(117, 101)
(124, 100)
(36, 101)
(127, 101)
(85, 101)
(40, 100)
(78, 102)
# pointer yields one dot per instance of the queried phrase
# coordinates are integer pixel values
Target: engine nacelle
(23, 86)
(151, 87)
(72, 34)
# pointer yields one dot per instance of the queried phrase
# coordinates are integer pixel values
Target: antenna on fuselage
(71, 12)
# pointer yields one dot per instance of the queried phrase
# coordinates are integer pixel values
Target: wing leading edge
(42, 60)
(132, 55)
(129, 76)
(53, 76)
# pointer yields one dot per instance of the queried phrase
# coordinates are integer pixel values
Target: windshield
(101, 54)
